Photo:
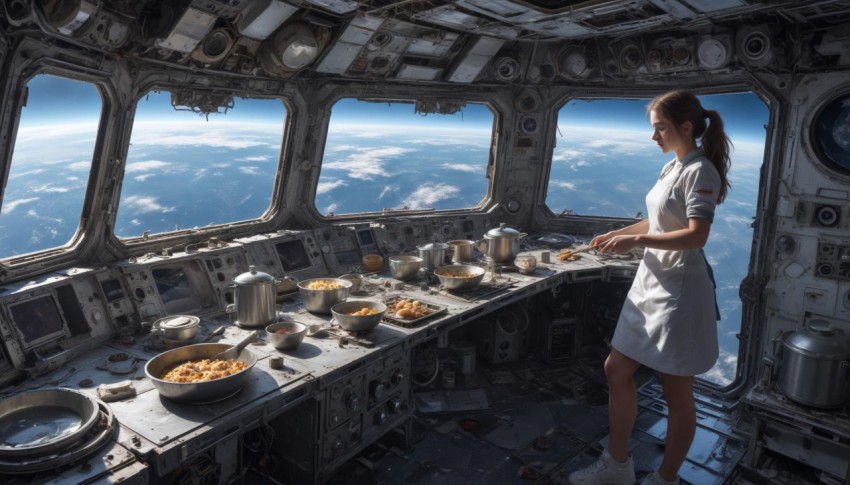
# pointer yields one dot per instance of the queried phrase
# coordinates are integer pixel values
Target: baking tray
(409, 322)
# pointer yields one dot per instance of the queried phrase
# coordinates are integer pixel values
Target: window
(386, 156)
(48, 176)
(605, 162)
(185, 170)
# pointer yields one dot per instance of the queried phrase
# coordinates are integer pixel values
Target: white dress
(669, 320)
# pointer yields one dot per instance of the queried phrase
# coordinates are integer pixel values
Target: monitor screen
(293, 256)
(38, 319)
(364, 236)
(112, 289)
(182, 287)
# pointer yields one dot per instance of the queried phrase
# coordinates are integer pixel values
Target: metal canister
(254, 298)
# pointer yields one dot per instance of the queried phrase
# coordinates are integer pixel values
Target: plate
(392, 318)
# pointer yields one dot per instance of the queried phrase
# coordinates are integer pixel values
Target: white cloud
(142, 178)
(324, 187)
(428, 194)
(146, 166)
(463, 167)
(28, 172)
(49, 189)
(367, 163)
(83, 166)
(216, 132)
(251, 170)
(258, 158)
(11, 205)
(389, 189)
(135, 222)
(331, 208)
(563, 184)
(140, 204)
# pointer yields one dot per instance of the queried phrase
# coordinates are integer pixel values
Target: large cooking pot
(197, 392)
(254, 298)
(501, 244)
(815, 368)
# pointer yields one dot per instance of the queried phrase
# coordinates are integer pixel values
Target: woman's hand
(615, 244)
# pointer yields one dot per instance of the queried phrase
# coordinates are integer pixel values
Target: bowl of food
(286, 335)
(460, 276)
(320, 294)
(405, 267)
(187, 374)
(358, 315)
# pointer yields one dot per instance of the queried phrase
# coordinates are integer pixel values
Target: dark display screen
(365, 237)
(292, 254)
(112, 290)
(38, 319)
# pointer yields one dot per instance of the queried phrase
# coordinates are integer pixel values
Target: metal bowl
(358, 323)
(178, 327)
(197, 392)
(459, 283)
(294, 334)
(321, 301)
(44, 421)
(405, 267)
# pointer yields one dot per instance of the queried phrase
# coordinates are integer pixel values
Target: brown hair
(681, 106)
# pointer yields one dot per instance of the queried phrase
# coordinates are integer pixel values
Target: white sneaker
(605, 471)
(655, 479)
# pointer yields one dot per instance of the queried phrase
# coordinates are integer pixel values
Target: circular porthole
(831, 134)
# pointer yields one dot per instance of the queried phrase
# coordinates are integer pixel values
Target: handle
(251, 337)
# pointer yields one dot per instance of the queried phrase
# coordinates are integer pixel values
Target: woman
(668, 322)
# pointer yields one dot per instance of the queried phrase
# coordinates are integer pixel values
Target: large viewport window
(605, 162)
(386, 156)
(186, 170)
(48, 177)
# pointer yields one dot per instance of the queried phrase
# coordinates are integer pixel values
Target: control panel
(388, 393)
(833, 260)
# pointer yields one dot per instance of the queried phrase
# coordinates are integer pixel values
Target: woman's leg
(681, 423)
(622, 402)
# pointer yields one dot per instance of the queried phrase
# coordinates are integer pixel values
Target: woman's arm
(694, 236)
(640, 227)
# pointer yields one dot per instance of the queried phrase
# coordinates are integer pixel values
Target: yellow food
(565, 254)
(323, 285)
(365, 311)
(203, 370)
(458, 275)
(410, 309)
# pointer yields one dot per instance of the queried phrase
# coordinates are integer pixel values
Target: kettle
(501, 244)
(254, 298)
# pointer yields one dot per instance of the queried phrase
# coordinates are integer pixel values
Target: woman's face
(669, 137)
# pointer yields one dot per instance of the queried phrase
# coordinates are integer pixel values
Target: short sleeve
(701, 186)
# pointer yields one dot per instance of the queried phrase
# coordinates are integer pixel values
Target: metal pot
(462, 250)
(501, 244)
(433, 255)
(815, 368)
(254, 298)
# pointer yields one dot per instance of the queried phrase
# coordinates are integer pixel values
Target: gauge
(712, 54)
(574, 64)
(831, 134)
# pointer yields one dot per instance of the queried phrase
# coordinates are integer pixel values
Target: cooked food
(365, 311)
(323, 285)
(565, 254)
(458, 275)
(410, 309)
(203, 370)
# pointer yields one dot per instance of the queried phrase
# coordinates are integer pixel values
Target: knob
(397, 377)
(353, 403)
(380, 417)
(378, 389)
(396, 406)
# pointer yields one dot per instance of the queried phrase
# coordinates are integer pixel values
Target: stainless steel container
(450, 280)
(462, 250)
(404, 267)
(433, 255)
(286, 335)
(501, 244)
(358, 323)
(321, 300)
(815, 367)
(254, 298)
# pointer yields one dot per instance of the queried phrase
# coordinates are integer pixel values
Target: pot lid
(178, 321)
(433, 246)
(253, 277)
(819, 337)
(502, 232)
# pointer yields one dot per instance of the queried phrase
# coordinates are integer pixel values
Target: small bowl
(358, 323)
(286, 341)
(450, 282)
(405, 267)
(526, 263)
(372, 262)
